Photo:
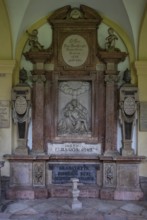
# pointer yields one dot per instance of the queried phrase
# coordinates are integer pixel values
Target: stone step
(87, 191)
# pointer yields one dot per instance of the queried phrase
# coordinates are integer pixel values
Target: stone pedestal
(128, 116)
(21, 102)
(117, 179)
(127, 148)
(22, 148)
(76, 204)
(121, 178)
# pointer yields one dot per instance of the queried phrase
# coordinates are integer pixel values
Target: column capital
(112, 56)
(39, 78)
(38, 56)
(111, 78)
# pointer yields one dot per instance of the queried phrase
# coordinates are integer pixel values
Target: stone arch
(5, 36)
(142, 54)
(123, 35)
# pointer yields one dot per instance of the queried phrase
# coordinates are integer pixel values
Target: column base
(37, 152)
(76, 205)
(111, 153)
(127, 152)
(21, 151)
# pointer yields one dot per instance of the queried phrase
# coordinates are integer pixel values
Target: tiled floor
(60, 209)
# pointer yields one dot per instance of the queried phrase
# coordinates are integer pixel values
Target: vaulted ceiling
(127, 14)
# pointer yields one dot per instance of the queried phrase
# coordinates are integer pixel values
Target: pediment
(75, 14)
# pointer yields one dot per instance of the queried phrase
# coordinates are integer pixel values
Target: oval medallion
(20, 105)
(129, 106)
(75, 50)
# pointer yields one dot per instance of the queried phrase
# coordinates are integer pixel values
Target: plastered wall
(141, 69)
(6, 70)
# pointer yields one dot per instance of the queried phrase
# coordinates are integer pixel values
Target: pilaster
(6, 71)
(141, 68)
(111, 59)
(38, 58)
(141, 71)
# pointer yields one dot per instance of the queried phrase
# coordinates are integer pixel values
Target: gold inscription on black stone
(62, 173)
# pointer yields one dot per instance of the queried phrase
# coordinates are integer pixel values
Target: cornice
(7, 66)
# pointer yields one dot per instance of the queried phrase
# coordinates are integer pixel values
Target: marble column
(38, 58)
(38, 113)
(111, 59)
(111, 115)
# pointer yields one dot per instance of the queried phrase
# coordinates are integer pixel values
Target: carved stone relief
(109, 173)
(38, 174)
(74, 114)
(21, 174)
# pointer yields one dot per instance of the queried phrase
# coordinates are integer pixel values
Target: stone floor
(60, 209)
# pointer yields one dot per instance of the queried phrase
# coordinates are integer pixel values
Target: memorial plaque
(86, 173)
(143, 116)
(75, 50)
(4, 114)
(74, 148)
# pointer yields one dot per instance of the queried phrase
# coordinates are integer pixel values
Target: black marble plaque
(62, 173)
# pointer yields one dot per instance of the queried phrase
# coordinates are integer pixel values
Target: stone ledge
(128, 195)
(26, 193)
(86, 191)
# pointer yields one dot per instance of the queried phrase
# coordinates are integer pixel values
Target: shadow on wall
(143, 184)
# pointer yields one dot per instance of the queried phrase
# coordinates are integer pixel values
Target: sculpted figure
(110, 40)
(74, 120)
(33, 41)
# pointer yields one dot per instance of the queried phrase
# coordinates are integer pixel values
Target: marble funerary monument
(75, 111)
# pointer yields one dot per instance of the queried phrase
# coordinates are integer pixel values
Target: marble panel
(74, 149)
(38, 174)
(127, 176)
(21, 174)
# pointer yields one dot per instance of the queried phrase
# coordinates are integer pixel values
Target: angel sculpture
(111, 40)
(33, 41)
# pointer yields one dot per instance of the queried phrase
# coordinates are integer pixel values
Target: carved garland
(66, 89)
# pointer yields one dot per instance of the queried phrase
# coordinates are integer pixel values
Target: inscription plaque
(75, 50)
(62, 173)
(74, 148)
(143, 116)
(4, 114)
